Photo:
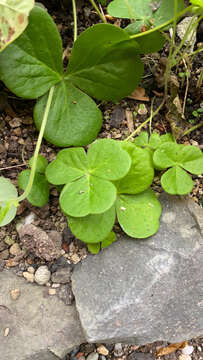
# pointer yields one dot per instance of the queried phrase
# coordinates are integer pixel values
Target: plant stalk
(75, 20)
(36, 153)
(98, 11)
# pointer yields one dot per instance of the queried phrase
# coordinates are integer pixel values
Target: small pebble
(42, 275)
(9, 241)
(15, 293)
(55, 285)
(15, 249)
(184, 357)
(118, 350)
(102, 350)
(93, 356)
(6, 331)
(62, 275)
(29, 277)
(199, 348)
(48, 284)
(31, 270)
(52, 292)
(188, 350)
(75, 258)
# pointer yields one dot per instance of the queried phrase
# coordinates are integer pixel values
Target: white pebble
(29, 277)
(42, 275)
(102, 350)
(31, 270)
(184, 357)
(6, 331)
(52, 292)
(55, 285)
(188, 350)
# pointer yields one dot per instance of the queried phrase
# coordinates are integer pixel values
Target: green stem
(75, 20)
(192, 129)
(170, 56)
(146, 121)
(98, 11)
(162, 26)
(39, 140)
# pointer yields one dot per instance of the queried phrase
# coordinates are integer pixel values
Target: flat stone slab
(141, 291)
(40, 327)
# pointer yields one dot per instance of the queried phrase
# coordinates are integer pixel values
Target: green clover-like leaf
(41, 164)
(171, 154)
(7, 209)
(138, 215)
(176, 181)
(39, 193)
(141, 173)
(93, 228)
(88, 177)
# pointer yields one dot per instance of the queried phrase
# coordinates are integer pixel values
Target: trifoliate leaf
(39, 193)
(176, 181)
(93, 228)
(138, 215)
(7, 210)
(141, 173)
(171, 154)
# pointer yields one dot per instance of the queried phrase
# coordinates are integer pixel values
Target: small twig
(186, 90)
(13, 166)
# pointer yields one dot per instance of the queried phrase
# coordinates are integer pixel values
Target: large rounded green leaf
(191, 159)
(92, 228)
(166, 155)
(176, 181)
(138, 215)
(70, 164)
(13, 19)
(130, 9)
(108, 160)
(141, 173)
(39, 194)
(74, 118)
(104, 63)
(7, 192)
(87, 195)
(33, 63)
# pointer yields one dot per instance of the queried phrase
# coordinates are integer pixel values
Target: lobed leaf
(13, 19)
(93, 228)
(74, 118)
(39, 194)
(87, 195)
(172, 154)
(37, 67)
(111, 68)
(7, 192)
(141, 173)
(108, 160)
(138, 215)
(176, 181)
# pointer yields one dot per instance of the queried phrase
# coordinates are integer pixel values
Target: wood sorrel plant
(112, 179)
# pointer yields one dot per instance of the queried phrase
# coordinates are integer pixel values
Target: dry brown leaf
(139, 94)
(171, 348)
(129, 118)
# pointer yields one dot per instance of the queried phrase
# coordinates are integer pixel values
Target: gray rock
(65, 294)
(62, 275)
(41, 327)
(141, 291)
(140, 356)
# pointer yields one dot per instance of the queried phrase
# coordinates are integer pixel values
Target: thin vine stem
(162, 26)
(192, 129)
(75, 20)
(36, 153)
(98, 11)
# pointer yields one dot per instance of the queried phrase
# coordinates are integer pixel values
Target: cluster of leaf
(104, 63)
(144, 14)
(112, 181)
